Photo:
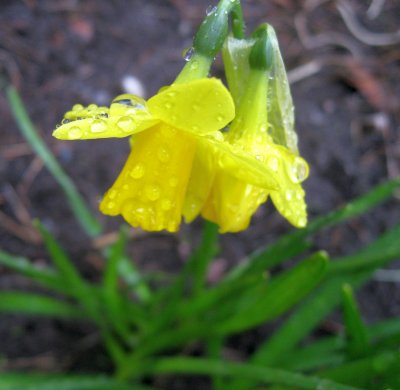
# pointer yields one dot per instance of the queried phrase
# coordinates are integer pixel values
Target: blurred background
(343, 59)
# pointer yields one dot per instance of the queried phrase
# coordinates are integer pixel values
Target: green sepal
(212, 32)
(261, 54)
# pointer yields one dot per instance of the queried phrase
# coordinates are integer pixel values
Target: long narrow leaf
(261, 305)
(25, 381)
(356, 332)
(39, 305)
(42, 275)
(77, 204)
(76, 286)
(263, 375)
(307, 317)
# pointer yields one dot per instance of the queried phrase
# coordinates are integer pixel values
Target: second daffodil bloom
(232, 201)
(151, 187)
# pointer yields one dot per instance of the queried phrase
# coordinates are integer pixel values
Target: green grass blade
(60, 259)
(19, 381)
(257, 306)
(309, 315)
(75, 285)
(386, 246)
(203, 255)
(77, 204)
(42, 275)
(356, 333)
(263, 375)
(367, 373)
(331, 350)
(112, 295)
(39, 305)
(132, 277)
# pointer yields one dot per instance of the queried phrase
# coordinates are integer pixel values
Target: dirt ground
(343, 59)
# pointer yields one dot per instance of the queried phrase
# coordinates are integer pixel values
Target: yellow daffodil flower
(231, 200)
(151, 187)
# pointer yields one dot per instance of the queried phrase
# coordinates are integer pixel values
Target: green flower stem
(204, 255)
(197, 67)
(77, 204)
(264, 375)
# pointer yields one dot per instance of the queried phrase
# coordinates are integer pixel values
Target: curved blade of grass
(315, 309)
(367, 372)
(77, 204)
(263, 375)
(356, 333)
(330, 350)
(42, 275)
(74, 284)
(112, 296)
(25, 381)
(275, 297)
(39, 305)
(203, 255)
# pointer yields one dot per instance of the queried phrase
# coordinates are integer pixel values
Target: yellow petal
(200, 106)
(127, 115)
(243, 165)
(201, 180)
(289, 200)
(232, 203)
(150, 189)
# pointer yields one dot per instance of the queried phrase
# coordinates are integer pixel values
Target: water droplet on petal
(125, 123)
(273, 163)
(302, 221)
(110, 205)
(171, 94)
(112, 194)
(92, 107)
(98, 126)
(168, 105)
(166, 204)
(218, 136)
(173, 181)
(220, 118)
(288, 195)
(195, 128)
(298, 172)
(74, 132)
(163, 154)
(137, 172)
(77, 107)
(152, 192)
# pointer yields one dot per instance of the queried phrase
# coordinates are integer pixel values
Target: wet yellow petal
(200, 106)
(150, 189)
(201, 180)
(232, 203)
(242, 165)
(127, 115)
(289, 200)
